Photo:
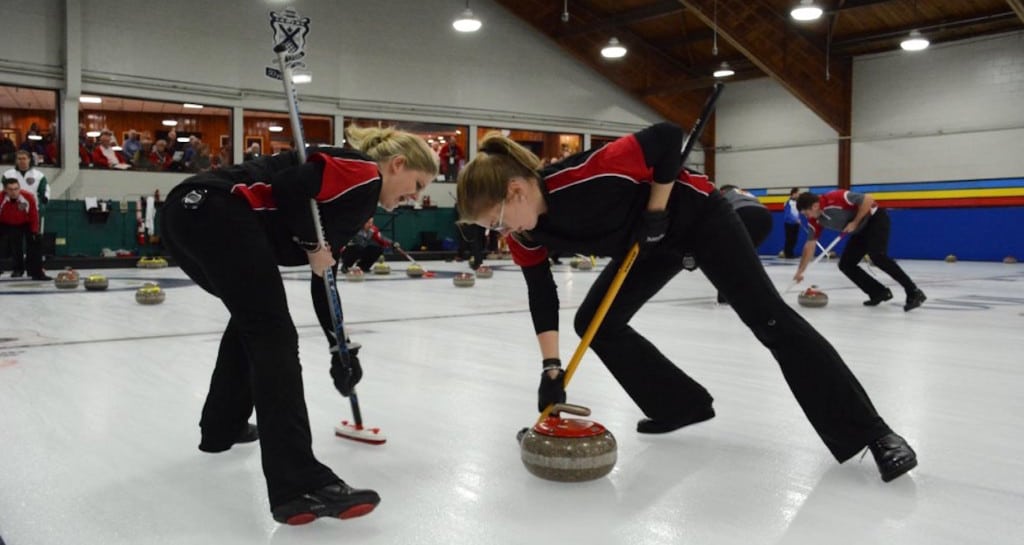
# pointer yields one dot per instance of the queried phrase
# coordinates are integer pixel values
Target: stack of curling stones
(380, 267)
(568, 449)
(355, 274)
(96, 282)
(464, 280)
(66, 279)
(414, 270)
(483, 271)
(812, 297)
(150, 294)
(151, 263)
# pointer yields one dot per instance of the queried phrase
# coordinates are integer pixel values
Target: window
(133, 134)
(271, 132)
(28, 121)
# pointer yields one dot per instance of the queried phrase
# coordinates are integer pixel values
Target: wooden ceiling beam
(645, 13)
(764, 37)
(924, 29)
(1018, 8)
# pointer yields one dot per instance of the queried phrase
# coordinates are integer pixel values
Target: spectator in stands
(176, 151)
(132, 146)
(105, 156)
(141, 159)
(7, 149)
(19, 220)
(201, 157)
(252, 152)
(84, 148)
(159, 158)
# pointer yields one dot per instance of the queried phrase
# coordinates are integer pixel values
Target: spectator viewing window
(549, 146)
(271, 132)
(598, 141)
(133, 134)
(28, 121)
(450, 142)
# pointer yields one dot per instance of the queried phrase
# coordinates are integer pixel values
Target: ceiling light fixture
(90, 100)
(915, 42)
(168, 122)
(806, 11)
(614, 49)
(192, 106)
(724, 71)
(275, 128)
(466, 21)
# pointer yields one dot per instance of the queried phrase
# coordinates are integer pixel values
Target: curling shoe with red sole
(336, 500)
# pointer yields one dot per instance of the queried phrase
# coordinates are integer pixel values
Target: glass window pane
(123, 133)
(271, 132)
(28, 121)
(548, 146)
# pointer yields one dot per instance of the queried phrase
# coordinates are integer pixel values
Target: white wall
(767, 138)
(952, 112)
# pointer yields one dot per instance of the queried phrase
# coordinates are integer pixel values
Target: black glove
(651, 228)
(346, 371)
(551, 390)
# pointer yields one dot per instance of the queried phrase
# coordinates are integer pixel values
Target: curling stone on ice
(1009, 260)
(96, 282)
(568, 449)
(484, 272)
(151, 263)
(585, 264)
(150, 294)
(67, 279)
(355, 274)
(812, 297)
(464, 280)
(575, 262)
(951, 258)
(380, 267)
(415, 270)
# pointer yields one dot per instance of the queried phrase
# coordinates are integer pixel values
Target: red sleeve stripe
(342, 175)
(696, 182)
(622, 158)
(258, 194)
(526, 256)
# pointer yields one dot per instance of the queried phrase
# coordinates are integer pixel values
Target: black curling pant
(223, 248)
(830, 396)
(365, 256)
(873, 241)
(792, 230)
(757, 221)
(12, 242)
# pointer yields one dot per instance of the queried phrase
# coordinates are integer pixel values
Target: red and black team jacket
(345, 184)
(595, 199)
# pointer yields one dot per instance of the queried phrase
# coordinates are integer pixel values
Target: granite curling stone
(575, 262)
(568, 449)
(484, 272)
(1009, 260)
(812, 297)
(381, 268)
(951, 258)
(415, 270)
(150, 294)
(464, 280)
(96, 282)
(66, 280)
(151, 263)
(585, 264)
(355, 274)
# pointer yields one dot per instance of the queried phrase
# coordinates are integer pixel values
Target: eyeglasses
(499, 226)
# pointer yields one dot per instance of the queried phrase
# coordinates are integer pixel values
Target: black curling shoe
(914, 300)
(878, 298)
(249, 434)
(337, 500)
(649, 425)
(893, 456)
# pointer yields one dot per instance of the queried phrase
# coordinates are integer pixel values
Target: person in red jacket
(105, 156)
(229, 230)
(634, 190)
(19, 220)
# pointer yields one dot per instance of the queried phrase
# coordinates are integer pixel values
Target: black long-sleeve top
(346, 185)
(594, 201)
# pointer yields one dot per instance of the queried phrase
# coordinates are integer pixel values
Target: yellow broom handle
(595, 322)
